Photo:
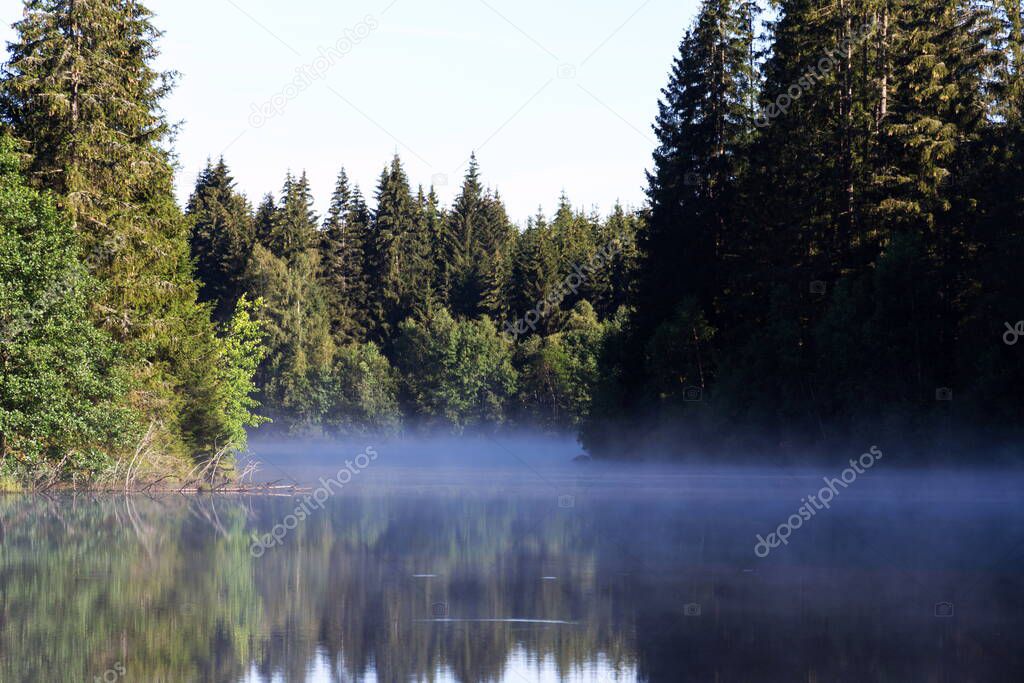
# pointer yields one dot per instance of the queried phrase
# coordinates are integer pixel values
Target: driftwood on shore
(205, 477)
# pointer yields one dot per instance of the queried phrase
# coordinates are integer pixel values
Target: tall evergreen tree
(222, 238)
(476, 241)
(534, 277)
(704, 121)
(294, 228)
(263, 220)
(461, 273)
(614, 286)
(343, 263)
(398, 267)
(300, 348)
(499, 238)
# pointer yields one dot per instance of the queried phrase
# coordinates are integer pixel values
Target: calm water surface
(521, 574)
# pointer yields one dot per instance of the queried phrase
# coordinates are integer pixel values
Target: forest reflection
(167, 586)
(437, 584)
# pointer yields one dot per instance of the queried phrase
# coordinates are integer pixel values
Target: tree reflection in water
(388, 585)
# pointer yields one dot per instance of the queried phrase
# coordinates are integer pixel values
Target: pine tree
(534, 278)
(433, 219)
(263, 220)
(342, 262)
(297, 367)
(285, 273)
(294, 228)
(80, 83)
(704, 121)
(575, 241)
(399, 266)
(499, 239)
(613, 287)
(221, 239)
(476, 241)
(461, 276)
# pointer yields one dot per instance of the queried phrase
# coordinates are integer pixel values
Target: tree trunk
(74, 103)
(844, 225)
(883, 106)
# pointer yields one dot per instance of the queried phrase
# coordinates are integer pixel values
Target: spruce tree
(476, 241)
(342, 263)
(285, 272)
(461, 274)
(293, 377)
(533, 278)
(294, 228)
(704, 122)
(575, 242)
(221, 239)
(263, 220)
(613, 287)
(499, 238)
(398, 266)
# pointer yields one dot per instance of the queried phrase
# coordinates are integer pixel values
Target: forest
(829, 249)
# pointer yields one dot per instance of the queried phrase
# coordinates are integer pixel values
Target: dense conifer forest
(830, 248)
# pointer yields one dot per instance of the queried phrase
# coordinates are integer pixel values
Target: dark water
(521, 575)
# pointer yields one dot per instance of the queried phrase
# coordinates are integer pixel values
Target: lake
(522, 572)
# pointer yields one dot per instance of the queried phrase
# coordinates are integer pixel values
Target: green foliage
(399, 265)
(558, 374)
(475, 245)
(300, 348)
(221, 238)
(343, 250)
(293, 225)
(81, 93)
(62, 380)
(457, 372)
(242, 351)
(362, 393)
(677, 359)
(852, 250)
(891, 180)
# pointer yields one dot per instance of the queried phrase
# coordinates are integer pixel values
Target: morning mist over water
(503, 571)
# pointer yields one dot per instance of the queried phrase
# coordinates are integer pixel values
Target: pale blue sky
(552, 94)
